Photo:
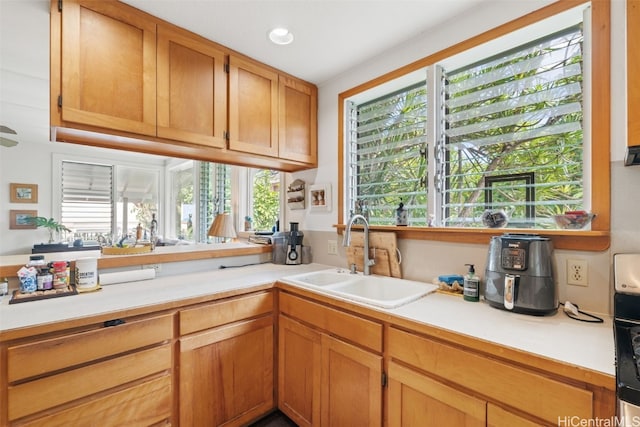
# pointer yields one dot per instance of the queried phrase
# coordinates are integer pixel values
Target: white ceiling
(330, 36)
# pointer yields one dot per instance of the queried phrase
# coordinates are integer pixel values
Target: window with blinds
(512, 137)
(505, 133)
(387, 156)
(87, 197)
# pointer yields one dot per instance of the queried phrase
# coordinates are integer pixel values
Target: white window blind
(512, 137)
(387, 156)
(87, 197)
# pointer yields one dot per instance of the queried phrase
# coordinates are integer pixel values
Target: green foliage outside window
(266, 199)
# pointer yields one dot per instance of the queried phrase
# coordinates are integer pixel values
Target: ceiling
(330, 36)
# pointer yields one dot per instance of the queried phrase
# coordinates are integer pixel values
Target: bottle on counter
(45, 279)
(60, 271)
(138, 232)
(153, 231)
(471, 287)
(36, 261)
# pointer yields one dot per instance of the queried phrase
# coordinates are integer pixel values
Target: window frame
(115, 162)
(596, 239)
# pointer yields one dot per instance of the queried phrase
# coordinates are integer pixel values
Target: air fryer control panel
(515, 254)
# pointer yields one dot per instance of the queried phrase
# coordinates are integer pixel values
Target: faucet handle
(353, 269)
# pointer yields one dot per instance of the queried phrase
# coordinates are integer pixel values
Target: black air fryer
(519, 274)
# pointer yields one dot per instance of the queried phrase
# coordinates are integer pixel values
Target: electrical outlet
(332, 247)
(156, 267)
(577, 272)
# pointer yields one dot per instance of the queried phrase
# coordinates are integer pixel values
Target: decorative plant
(48, 223)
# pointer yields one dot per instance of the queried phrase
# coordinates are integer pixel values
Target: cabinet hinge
(59, 5)
(226, 68)
(59, 101)
(384, 379)
(225, 135)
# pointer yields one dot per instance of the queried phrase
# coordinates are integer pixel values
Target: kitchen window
(504, 129)
(110, 198)
(104, 198)
(87, 198)
(515, 113)
(198, 191)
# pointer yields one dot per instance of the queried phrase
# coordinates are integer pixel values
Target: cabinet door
(417, 400)
(499, 417)
(298, 116)
(299, 358)
(192, 89)
(108, 66)
(351, 385)
(226, 374)
(253, 108)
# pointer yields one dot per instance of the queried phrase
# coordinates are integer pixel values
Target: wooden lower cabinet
(421, 401)
(299, 375)
(226, 373)
(351, 390)
(120, 375)
(500, 417)
(418, 400)
(324, 380)
(430, 377)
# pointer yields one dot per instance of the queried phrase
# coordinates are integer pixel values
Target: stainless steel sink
(385, 292)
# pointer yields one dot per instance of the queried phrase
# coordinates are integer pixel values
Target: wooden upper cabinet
(253, 108)
(633, 67)
(192, 89)
(117, 71)
(108, 66)
(297, 121)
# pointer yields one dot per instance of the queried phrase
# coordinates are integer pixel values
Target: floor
(275, 419)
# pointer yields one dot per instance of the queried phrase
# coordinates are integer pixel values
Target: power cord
(574, 312)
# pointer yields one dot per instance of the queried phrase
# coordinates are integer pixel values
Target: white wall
(24, 97)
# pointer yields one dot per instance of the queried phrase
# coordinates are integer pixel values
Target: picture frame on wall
(19, 219)
(320, 197)
(23, 193)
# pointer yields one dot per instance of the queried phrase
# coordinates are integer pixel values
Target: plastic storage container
(86, 273)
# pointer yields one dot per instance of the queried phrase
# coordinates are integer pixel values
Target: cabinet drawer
(353, 328)
(141, 405)
(38, 358)
(530, 392)
(35, 396)
(223, 312)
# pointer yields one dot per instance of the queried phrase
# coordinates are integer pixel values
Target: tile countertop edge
(588, 347)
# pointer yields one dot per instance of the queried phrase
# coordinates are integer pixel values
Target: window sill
(581, 240)
(10, 264)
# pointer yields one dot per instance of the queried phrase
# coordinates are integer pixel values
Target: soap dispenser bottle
(471, 285)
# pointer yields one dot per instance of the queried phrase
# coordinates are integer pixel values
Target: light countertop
(557, 337)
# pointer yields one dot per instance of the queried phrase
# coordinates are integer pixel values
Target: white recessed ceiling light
(280, 36)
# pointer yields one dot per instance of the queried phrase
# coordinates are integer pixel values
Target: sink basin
(385, 292)
(324, 278)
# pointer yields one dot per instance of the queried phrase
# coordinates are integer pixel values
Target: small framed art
(23, 193)
(320, 197)
(20, 220)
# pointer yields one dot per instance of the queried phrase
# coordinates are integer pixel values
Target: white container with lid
(86, 273)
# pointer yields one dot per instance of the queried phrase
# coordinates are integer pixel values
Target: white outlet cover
(577, 272)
